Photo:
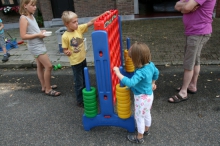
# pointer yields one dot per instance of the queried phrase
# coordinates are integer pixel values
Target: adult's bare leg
(193, 84)
(188, 74)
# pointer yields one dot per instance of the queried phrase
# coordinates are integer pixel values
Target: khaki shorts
(194, 45)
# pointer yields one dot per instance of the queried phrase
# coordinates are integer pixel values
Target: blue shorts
(2, 40)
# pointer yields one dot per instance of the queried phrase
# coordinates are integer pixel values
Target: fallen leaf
(217, 96)
(209, 80)
(200, 115)
(167, 65)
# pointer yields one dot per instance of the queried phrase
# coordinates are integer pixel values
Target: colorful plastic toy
(10, 44)
(56, 67)
(107, 49)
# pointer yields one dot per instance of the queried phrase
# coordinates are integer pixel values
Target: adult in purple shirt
(197, 19)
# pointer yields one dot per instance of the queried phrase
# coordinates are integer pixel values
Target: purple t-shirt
(199, 22)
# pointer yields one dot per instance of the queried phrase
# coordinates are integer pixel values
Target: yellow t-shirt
(74, 42)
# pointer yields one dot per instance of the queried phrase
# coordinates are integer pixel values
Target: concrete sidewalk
(165, 38)
(21, 57)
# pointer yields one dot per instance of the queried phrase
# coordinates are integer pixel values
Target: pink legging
(143, 104)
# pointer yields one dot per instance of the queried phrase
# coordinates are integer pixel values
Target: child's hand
(116, 69)
(41, 35)
(67, 52)
(154, 86)
(117, 72)
(108, 12)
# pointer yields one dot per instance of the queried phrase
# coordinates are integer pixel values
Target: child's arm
(91, 22)
(2, 26)
(67, 52)
(23, 30)
(117, 72)
(154, 86)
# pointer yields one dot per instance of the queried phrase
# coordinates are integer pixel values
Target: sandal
(177, 98)
(53, 93)
(134, 139)
(52, 87)
(146, 133)
(188, 91)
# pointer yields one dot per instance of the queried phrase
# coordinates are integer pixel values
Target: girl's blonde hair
(67, 16)
(140, 54)
(22, 9)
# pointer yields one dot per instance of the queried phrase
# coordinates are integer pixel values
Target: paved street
(29, 117)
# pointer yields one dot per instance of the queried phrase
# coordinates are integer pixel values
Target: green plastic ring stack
(90, 102)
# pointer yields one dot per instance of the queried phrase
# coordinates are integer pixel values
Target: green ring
(90, 116)
(86, 97)
(93, 104)
(90, 108)
(89, 100)
(88, 93)
(91, 112)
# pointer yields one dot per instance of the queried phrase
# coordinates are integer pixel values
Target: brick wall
(43, 5)
(46, 9)
(9, 18)
(86, 8)
(91, 8)
(218, 9)
(125, 7)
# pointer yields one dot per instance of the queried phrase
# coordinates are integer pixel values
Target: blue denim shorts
(2, 40)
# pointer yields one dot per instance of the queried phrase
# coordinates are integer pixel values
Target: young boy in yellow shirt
(73, 47)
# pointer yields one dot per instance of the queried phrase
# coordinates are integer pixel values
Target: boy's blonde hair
(22, 10)
(67, 16)
(140, 54)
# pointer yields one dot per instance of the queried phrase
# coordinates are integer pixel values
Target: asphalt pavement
(29, 117)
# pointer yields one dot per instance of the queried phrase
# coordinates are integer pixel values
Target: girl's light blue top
(141, 81)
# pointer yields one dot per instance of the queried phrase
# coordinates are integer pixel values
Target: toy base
(114, 120)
